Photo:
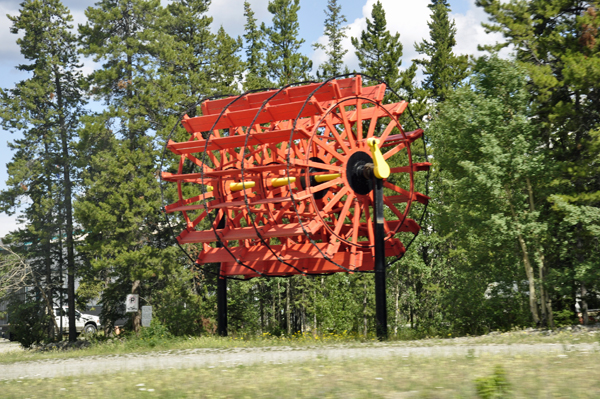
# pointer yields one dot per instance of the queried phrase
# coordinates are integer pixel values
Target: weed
(494, 386)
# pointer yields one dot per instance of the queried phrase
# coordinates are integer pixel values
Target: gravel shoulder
(271, 355)
(7, 346)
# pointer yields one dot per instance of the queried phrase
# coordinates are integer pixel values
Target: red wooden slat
(218, 143)
(245, 233)
(329, 92)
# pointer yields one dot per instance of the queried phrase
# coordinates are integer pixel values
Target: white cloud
(470, 33)
(9, 51)
(230, 15)
(7, 224)
(409, 18)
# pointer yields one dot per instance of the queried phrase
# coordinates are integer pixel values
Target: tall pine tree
(285, 64)
(194, 62)
(380, 53)
(443, 70)
(254, 37)
(125, 246)
(46, 108)
(493, 176)
(335, 33)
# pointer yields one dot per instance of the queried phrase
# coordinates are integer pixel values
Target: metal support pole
(221, 293)
(380, 289)
(222, 306)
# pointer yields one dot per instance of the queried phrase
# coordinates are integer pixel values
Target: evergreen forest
(511, 234)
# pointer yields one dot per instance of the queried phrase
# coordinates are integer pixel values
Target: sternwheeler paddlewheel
(282, 180)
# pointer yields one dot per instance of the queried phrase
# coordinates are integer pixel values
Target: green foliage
(380, 53)
(46, 108)
(335, 33)
(565, 317)
(442, 69)
(495, 386)
(28, 321)
(156, 330)
(179, 309)
(555, 41)
(194, 61)
(285, 64)
(488, 165)
(254, 37)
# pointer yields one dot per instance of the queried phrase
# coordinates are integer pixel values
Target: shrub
(28, 322)
(564, 317)
(495, 386)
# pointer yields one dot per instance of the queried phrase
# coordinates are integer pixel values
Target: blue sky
(408, 17)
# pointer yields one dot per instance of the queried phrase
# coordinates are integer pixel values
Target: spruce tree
(380, 53)
(46, 108)
(254, 37)
(335, 33)
(285, 64)
(124, 246)
(442, 69)
(195, 62)
(121, 35)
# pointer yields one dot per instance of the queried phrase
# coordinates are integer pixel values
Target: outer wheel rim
(362, 147)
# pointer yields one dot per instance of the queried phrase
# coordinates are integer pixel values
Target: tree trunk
(278, 308)
(584, 305)
(581, 259)
(527, 263)
(530, 279)
(48, 261)
(549, 308)
(68, 206)
(136, 317)
(545, 304)
(303, 322)
(543, 308)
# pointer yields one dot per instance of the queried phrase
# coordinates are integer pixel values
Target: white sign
(146, 316)
(132, 302)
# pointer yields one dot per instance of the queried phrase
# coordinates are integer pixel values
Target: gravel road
(274, 355)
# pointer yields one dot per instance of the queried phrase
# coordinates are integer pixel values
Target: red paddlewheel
(276, 178)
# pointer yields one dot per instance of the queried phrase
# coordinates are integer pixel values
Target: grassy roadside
(540, 376)
(163, 344)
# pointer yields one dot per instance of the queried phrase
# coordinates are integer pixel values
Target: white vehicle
(86, 323)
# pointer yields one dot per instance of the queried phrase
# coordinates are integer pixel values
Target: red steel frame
(294, 135)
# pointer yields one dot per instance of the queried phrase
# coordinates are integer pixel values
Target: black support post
(221, 293)
(222, 306)
(380, 289)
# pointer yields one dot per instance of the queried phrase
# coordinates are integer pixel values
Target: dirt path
(233, 357)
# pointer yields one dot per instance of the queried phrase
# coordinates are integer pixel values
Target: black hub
(319, 194)
(355, 171)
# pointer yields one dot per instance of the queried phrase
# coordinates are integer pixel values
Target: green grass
(161, 344)
(541, 376)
